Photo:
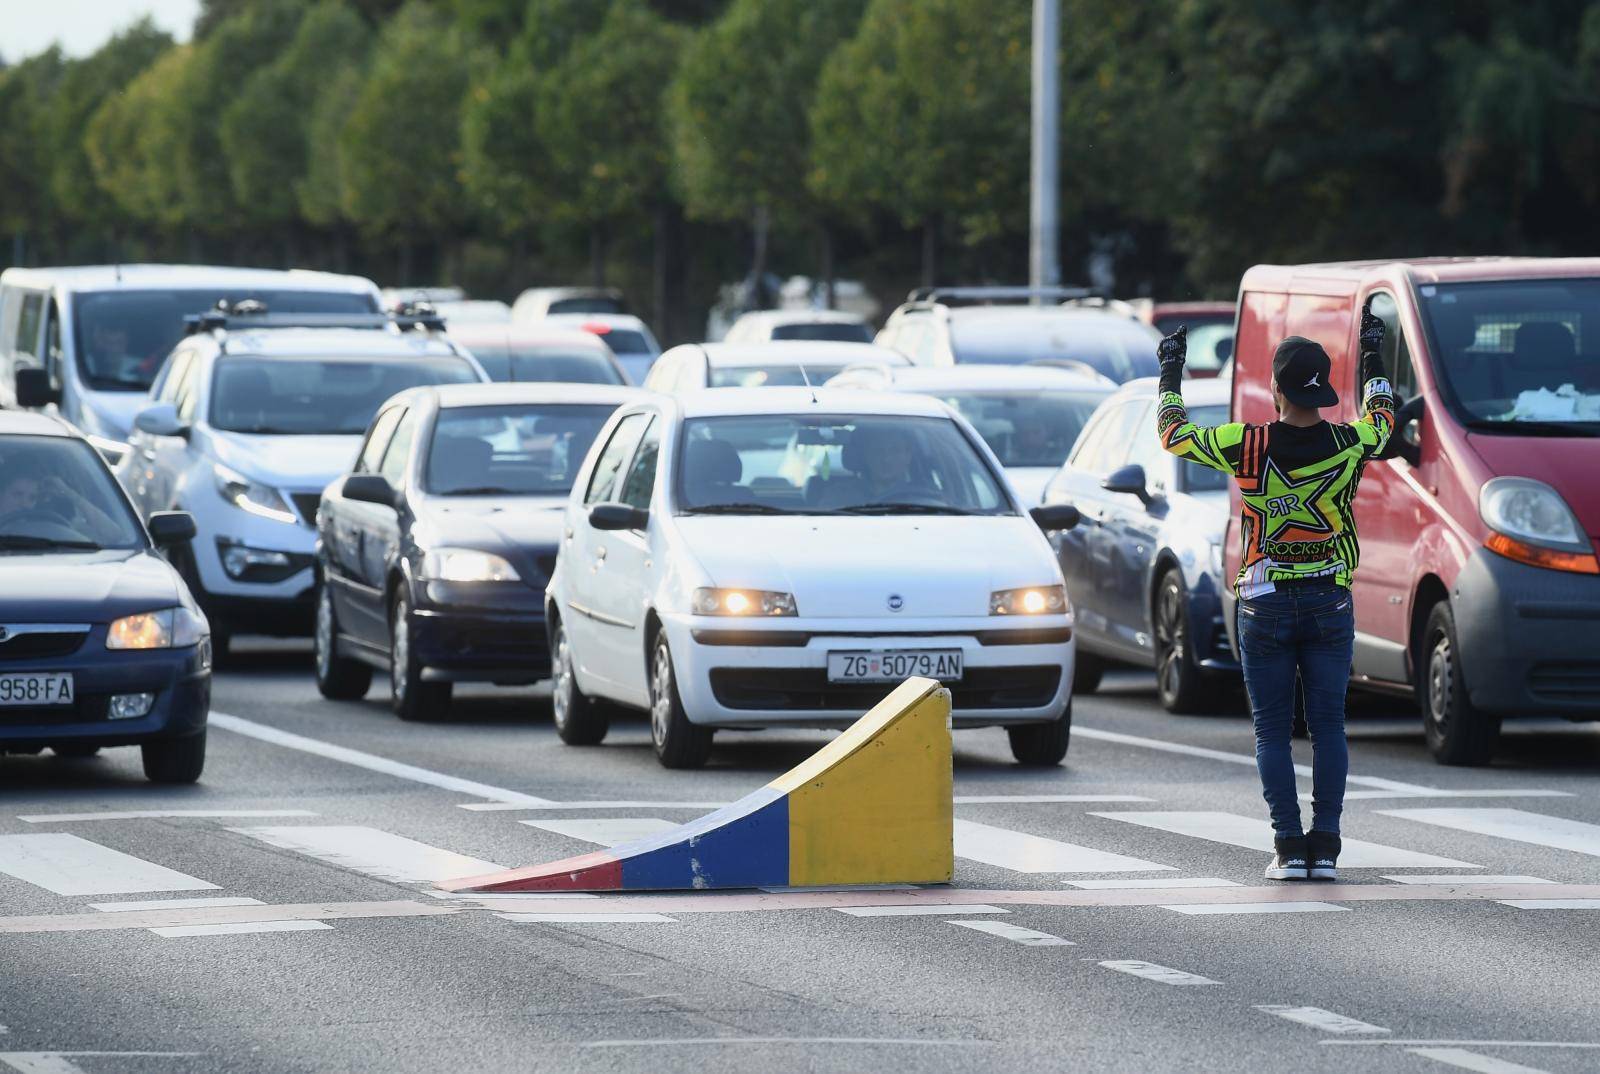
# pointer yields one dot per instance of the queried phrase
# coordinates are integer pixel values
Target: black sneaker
(1290, 861)
(1323, 850)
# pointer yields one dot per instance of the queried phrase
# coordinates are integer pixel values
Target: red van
(1479, 586)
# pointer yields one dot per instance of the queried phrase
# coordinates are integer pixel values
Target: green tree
(131, 137)
(25, 91)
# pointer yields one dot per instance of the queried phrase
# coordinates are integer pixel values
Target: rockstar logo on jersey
(1293, 503)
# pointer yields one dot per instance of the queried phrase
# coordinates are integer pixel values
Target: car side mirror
(34, 388)
(1130, 480)
(1055, 516)
(168, 528)
(369, 488)
(160, 419)
(618, 516)
(1224, 349)
(1405, 441)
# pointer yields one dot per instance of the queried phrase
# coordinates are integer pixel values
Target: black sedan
(101, 643)
(434, 552)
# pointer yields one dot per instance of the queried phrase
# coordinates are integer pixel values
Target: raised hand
(1371, 330)
(1173, 349)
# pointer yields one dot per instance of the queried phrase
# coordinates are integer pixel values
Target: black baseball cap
(1301, 369)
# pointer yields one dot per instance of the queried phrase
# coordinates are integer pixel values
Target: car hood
(1030, 482)
(850, 567)
(84, 587)
(1566, 465)
(307, 463)
(520, 528)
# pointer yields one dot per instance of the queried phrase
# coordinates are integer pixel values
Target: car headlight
(168, 628)
(1532, 524)
(1032, 600)
(467, 565)
(751, 602)
(252, 496)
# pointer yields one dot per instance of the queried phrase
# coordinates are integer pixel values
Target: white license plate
(53, 688)
(895, 666)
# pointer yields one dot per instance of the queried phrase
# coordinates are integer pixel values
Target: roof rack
(979, 296)
(248, 314)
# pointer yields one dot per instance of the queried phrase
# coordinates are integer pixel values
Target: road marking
(665, 1042)
(580, 919)
(1552, 904)
(1015, 933)
(1584, 1044)
(170, 904)
(1158, 882)
(607, 831)
(1470, 881)
(499, 807)
(159, 814)
(1317, 1018)
(68, 865)
(59, 1063)
(1043, 799)
(1256, 908)
(149, 919)
(1514, 824)
(968, 799)
(1254, 834)
(1025, 853)
(1465, 1060)
(1150, 971)
(374, 852)
(1348, 795)
(238, 928)
(919, 911)
(501, 896)
(371, 761)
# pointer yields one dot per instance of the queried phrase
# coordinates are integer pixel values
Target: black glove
(1371, 330)
(1173, 349)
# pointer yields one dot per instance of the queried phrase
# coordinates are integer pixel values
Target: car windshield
(864, 464)
(525, 449)
(570, 366)
(590, 304)
(124, 336)
(840, 330)
(1197, 478)
(56, 493)
(1035, 428)
(1520, 357)
(776, 375)
(625, 341)
(1119, 348)
(318, 396)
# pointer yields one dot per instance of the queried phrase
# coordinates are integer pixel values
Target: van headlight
(1532, 524)
(751, 602)
(1031, 600)
(467, 565)
(169, 628)
(251, 496)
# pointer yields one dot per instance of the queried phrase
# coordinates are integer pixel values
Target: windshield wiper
(904, 509)
(484, 490)
(738, 509)
(1537, 428)
(27, 541)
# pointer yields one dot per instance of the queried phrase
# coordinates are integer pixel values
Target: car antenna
(807, 378)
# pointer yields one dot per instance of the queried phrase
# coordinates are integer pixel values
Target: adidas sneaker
(1323, 850)
(1289, 863)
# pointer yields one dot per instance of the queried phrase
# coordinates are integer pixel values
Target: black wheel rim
(1170, 638)
(400, 654)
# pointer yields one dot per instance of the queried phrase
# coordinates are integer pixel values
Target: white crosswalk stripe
(1515, 824)
(373, 851)
(1318, 1018)
(69, 865)
(1256, 834)
(1150, 971)
(607, 831)
(1025, 853)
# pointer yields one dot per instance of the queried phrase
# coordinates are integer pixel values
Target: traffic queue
(774, 529)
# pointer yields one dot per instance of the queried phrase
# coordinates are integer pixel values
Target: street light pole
(1044, 258)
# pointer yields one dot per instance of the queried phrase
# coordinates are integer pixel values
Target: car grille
(809, 689)
(307, 503)
(1566, 682)
(42, 646)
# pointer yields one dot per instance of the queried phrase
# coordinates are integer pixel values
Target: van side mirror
(369, 488)
(1130, 480)
(168, 528)
(1406, 440)
(34, 389)
(160, 419)
(618, 516)
(1055, 516)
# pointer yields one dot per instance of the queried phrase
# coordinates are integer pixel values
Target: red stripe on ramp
(598, 871)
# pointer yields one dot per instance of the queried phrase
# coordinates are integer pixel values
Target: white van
(88, 341)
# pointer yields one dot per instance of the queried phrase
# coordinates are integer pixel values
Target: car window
(55, 491)
(52, 343)
(641, 480)
(1035, 428)
(563, 364)
(186, 394)
(1395, 353)
(781, 374)
(393, 466)
(377, 440)
(623, 438)
(28, 324)
(1106, 444)
(518, 449)
(1147, 450)
(839, 330)
(1197, 478)
(166, 388)
(294, 396)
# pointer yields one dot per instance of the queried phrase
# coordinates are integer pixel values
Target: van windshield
(124, 336)
(1519, 357)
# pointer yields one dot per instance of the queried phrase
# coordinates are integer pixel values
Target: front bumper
(283, 605)
(179, 678)
(472, 633)
(741, 673)
(1529, 637)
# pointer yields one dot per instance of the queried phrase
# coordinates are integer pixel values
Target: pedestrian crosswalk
(69, 865)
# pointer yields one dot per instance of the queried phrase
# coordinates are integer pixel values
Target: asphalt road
(324, 847)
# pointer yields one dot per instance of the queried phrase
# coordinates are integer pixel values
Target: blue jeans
(1305, 632)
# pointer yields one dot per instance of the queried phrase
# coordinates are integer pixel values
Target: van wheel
(174, 760)
(1180, 684)
(1087, 670)
(579, 721)
(338, 677)
(1458, 732)
(1042, 745)
(410, 697)
(679, 743)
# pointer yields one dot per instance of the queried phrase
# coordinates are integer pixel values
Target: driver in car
(28, 496)
(883, 459)
(109, 345)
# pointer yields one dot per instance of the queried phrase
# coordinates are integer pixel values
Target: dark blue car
(101, 643)
(433, 553)
(1144, 566)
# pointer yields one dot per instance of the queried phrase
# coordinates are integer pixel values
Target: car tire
(74, 749)
(174, 760)
(1087, 670)
(1458, 732)
(410, 697)
(579, 720)
(338, 677)
(678, 743)
(1042, 745)
(1180, 683)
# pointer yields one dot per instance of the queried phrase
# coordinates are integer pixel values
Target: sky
(81, 26)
